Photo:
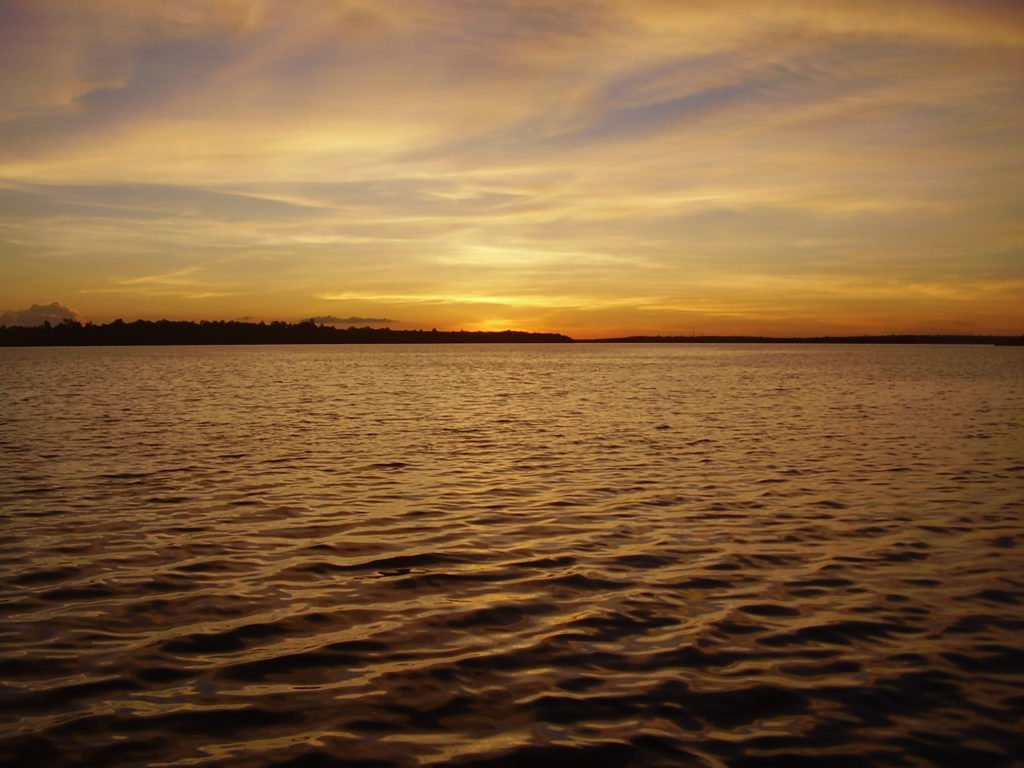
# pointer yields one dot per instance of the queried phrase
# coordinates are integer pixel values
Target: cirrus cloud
(223, 158)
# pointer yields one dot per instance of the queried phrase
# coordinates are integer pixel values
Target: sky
(592, 167)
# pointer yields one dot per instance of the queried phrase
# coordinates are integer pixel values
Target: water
(505, 555)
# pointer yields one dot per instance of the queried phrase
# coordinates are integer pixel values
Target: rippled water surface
(512, 555)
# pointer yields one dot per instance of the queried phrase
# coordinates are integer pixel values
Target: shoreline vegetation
(70, 333)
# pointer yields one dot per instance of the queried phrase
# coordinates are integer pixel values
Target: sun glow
(642, 167)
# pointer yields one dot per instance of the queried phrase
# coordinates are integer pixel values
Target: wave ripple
(498, 556)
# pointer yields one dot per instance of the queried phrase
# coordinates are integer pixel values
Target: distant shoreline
(219, 332)
(187, 333)
(862, 339)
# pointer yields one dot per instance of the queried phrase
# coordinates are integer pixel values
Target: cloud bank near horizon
(352, 320)
(593, 167)
(37, 314)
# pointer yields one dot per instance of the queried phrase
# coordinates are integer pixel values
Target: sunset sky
(597, 168)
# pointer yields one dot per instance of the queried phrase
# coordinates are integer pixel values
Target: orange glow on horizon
(599, 169)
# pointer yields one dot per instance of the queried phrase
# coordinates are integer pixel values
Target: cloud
(334, 320)
(38, 314)
(429, 156)
(144, 202)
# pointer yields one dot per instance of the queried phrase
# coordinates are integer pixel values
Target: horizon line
(67, 324)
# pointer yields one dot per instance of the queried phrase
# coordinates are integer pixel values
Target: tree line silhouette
(70, 333)
(166, 332)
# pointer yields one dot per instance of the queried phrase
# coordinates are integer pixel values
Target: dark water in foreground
(572, 555)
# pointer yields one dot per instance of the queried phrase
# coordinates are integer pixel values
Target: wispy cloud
(178, 277)
(524, 161)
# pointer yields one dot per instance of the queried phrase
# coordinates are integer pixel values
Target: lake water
(512, 555)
